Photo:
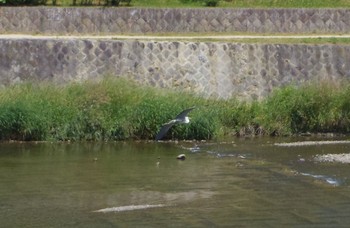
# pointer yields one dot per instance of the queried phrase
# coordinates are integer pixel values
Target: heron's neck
(187, 120)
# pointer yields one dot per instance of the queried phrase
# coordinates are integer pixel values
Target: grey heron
(181, 118)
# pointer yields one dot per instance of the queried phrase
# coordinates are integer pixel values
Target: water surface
(241, 182)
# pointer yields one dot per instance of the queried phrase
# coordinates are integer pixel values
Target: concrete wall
(217, 69)
(91, 20)
(248, 71)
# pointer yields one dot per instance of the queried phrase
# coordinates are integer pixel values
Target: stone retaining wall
(247, 71)
(91, 20)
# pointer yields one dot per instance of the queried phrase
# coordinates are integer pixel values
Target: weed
(117, 109)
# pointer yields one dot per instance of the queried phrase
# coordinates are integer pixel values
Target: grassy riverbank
(115, 109)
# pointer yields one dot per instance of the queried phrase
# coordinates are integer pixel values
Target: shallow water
(243, 182)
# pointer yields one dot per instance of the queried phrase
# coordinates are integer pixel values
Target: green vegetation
(287, 40)
(67, 2)
(285, 3)
(320, 107)
(244, 3)
(192, 3)
(116, 109)
(313, 41)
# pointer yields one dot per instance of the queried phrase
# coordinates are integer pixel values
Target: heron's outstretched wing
(184, 113)
(165, 128)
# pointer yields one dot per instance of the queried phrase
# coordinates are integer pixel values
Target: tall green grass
(316, 107)
(117, 109)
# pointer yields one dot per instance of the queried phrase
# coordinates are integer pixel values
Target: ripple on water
(129, 208)
(313, 143)
(328, 180)
(165, 199)
(341, 158)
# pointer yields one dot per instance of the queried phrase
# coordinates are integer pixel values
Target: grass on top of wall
(285, 3)
(270, 40)
(245, 3)
(223, 3)
(116, 109)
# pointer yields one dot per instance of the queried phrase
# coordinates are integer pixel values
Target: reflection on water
(245, 182)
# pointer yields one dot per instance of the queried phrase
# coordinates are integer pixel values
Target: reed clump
(313, 107)
(117, 109)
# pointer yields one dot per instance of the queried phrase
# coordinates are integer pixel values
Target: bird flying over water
(181, 118)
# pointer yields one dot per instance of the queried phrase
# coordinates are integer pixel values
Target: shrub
(25, 2)
(117, 2)
(211, 3)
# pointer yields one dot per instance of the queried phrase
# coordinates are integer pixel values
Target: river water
(252, 182)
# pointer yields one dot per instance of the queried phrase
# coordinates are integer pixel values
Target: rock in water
(181, 157)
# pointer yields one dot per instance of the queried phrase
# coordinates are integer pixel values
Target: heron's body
(182, 118)
(187, 120)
